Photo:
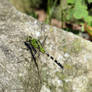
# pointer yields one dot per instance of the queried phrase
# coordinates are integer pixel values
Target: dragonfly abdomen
(51, 57)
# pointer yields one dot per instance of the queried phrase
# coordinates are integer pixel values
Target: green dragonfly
(35, 45)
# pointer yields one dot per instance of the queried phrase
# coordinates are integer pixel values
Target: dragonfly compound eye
(29, 38)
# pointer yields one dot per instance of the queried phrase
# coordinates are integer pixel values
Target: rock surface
(18, 72)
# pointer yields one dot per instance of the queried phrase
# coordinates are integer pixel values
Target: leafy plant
(79, 11)
(80, 14)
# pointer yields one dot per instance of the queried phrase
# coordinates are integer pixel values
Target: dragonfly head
(29, 38)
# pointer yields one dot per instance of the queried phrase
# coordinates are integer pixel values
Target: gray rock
(18, 72)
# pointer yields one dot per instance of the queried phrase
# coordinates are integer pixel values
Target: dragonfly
(35, 45)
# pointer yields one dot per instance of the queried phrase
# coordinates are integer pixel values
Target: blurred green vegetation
(50, 9)
(66, 11)
(75, 11)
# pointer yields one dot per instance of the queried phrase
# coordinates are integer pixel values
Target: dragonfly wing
(44, 41)
(31, 50)
(30, 47)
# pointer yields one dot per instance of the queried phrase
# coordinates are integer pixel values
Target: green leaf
(70, 14)
(90, 1)
(89, 20)
(70, 1)
(80, 11)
